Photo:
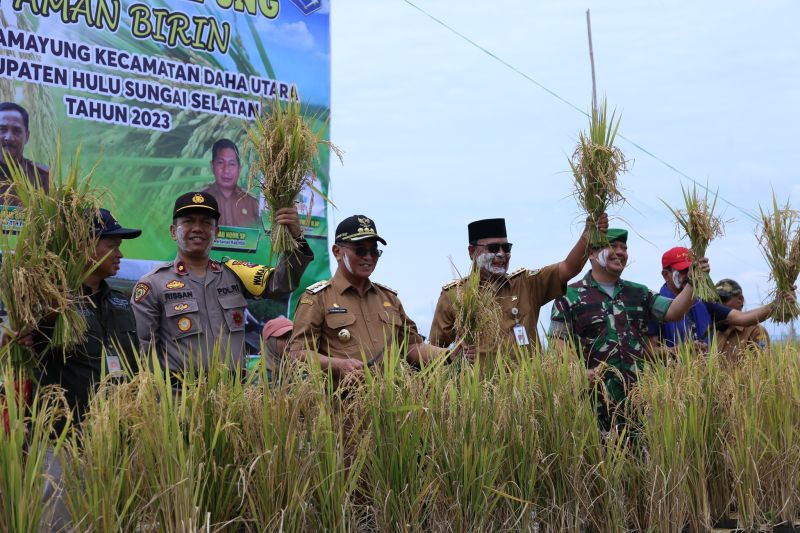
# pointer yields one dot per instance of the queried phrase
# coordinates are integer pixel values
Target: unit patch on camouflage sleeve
(140, 291)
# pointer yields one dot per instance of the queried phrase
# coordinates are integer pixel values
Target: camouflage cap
(727, 289)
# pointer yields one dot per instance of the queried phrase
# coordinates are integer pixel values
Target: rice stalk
(25, 443)
(698, 222)
(46, 261)
(285, 150)
(596, 165)
(779, 239)
(478, 315)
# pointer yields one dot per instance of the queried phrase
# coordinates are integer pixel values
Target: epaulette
(160, 266)
(382, 286)
(517, 272)
(450, 284)
(318, 286)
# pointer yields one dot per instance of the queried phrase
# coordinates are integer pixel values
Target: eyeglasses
(362, 251)
(497, 246)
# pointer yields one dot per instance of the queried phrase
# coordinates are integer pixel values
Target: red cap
(679, 258)
(276, 328)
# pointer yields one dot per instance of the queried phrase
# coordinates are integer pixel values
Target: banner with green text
(148, 88)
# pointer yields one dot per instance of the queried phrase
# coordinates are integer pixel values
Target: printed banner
(147, 89)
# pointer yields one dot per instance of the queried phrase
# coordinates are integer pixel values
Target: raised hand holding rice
(779, 239)
(596, 165)
(286, 150)
(698, 222)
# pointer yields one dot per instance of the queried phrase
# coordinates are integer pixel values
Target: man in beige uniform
(733, 340)
(236, 207)
(14, 135)
(348, 320)
(187, 306)
(520, 294)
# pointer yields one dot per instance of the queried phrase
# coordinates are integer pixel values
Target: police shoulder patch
(255, 278)
(318, 286)
(382, 286)
(140, 291)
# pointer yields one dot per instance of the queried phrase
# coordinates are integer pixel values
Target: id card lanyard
(520, 333)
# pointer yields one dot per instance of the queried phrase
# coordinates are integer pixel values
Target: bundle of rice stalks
(698, 222)
(779, 238)
(596, 164)
(286, 149)
(46, 247)
(478, 315)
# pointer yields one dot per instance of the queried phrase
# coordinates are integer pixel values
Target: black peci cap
(105, 225)
(196, 201)
(357, 228)
(488, 228)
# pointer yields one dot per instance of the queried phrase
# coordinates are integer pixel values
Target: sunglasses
(362, 251)
(497, 246)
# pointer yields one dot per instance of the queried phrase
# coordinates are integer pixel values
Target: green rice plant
(569, 438)
(466, 447)
(280, 457)
(596, 164)
(779, 239)
(336, 466)
(24, 443)
(285, 150)
(399, 478)
(101, 481)
(762, 438)
(46, 261)
(698, 222)
(190, 447)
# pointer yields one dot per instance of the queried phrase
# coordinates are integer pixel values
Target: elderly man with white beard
(187, 307)
(520, 294)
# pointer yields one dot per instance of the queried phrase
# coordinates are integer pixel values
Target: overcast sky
(436, 133)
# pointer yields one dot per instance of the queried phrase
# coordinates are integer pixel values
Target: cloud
(290, 35)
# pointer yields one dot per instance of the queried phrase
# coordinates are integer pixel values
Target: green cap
(614, 234)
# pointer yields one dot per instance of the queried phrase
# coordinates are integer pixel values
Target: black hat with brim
(105, 225)
(357, 228)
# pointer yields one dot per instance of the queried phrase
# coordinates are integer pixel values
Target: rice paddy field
(515, 447)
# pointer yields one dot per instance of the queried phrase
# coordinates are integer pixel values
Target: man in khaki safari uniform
(520, 294)
(186, 306)
(348, 320)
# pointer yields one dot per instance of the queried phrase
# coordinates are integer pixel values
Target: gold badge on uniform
(387, 304)
(306, 300)
(140, 291)
(198, 198)
(185, 323)
(175, 284)
(344, 335)
(181, 307)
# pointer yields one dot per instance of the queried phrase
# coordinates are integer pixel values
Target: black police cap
(196, 201)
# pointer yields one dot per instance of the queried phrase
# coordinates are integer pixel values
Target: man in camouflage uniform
(605, 318)
(187, 307)
(733, 340)
(347, 322)
(520, 294)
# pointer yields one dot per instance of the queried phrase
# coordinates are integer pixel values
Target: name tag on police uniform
(521, 335)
